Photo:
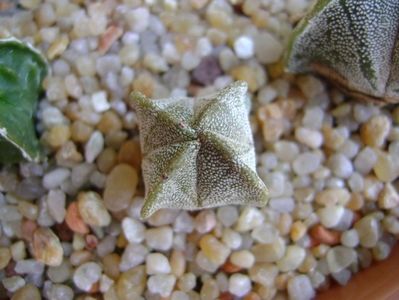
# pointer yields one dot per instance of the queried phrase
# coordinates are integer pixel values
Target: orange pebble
(27, 229)
(324, 235)
(252, 296)
(108, 38)
(74, 221)
(228, 267)
(226, 296)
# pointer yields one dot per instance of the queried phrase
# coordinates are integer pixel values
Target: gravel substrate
(70, 227)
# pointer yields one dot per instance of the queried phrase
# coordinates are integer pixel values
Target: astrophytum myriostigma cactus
(198, 152)
(22, 70)
(352, 42)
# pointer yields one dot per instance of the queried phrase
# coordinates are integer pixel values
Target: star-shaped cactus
(198, 152)
(354, 43)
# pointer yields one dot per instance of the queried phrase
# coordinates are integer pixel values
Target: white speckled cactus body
(198, 153)
(353, 42)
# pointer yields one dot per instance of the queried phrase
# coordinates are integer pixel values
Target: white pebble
(138, 19)
(340, 165)
(300, 288)
(239, 285)
(227, 215)
(157, 263)
(133, 256)
(55, 178)
(350, 238)
(56, 205)
(309, 137)
(268, 48)
(243, 259)
(306, 163)
(330, 216)
(94, 146)
(339, 258)
(133, 230)
(365, 160)
(244, 47)
(250, 218)
(161, 284)
(99, 102)
(160, 238)
(86, 275)
(282, 204)
(292, 258)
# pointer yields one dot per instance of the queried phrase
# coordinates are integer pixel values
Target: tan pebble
(92, 209)
(68, 155)
(80, 131)
(5, 257)
(80, 257)
(271, 121)
(131, 284)
(248, 74)
(298, 230)
(106, 160)
(58, 47)
(74, 220)
(130, 153)
(332, 138)
(213, 249)
(28, 210)
(47, 247)
(58, 135)
(111, 265)
(198, 4)
(375, 131)
(177, 263)
(111, 35)
(27, 229)
(356, 202)
(144, 84)
(27, 292)
(109, 122)
(333, 196)
(122, 242)
(389, 197)
(387, 167)
(120, 187)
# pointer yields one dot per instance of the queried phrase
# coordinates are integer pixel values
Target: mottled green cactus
(353, 42)
(22, 70)
(198, 153)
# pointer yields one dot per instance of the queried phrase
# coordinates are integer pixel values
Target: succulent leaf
(22, 70)
(354, 43)
(198, 153)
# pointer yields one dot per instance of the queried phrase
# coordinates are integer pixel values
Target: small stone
(60, 273)
(243, 259)
(86, 275)
(269, 252)
(99, 102)
(28, 291)
(387, 167)
(131, 284)
(58, 47)
(381, 251)
(120, 187)
(207, 71)
(133, 230)
(92, 209)
(268, 49)
(74, 220)
(244, 47)
(350, 238)
(330, 216)
(375, 131)
(94, 146)
(265, 233)
(282, 204)
(55, 178)
(160, 238)
(231, 239)
(138, 19)
(389, 197)
(300, 288)
(365, 160)
(13, 283)
(18, 251)
(29, 266)
(292, 259)
(249, 219)
(58, 135)
(5, 257)
(157, 263)
(205, 221)
(209, 290)
(298, 230)
(133, 256)
(309, 137)
(61, 292)
(369, 231)
(183, 223)
(214, 250)
(333, 196)
(239, 285)
(286, 150)
(333, 138)
(161, 284)
(339, 258)
(306, 163)
(340, 165)
(47, 247)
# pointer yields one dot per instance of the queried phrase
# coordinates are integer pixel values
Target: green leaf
(354, 43)
(22, 70)
(198, 153)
